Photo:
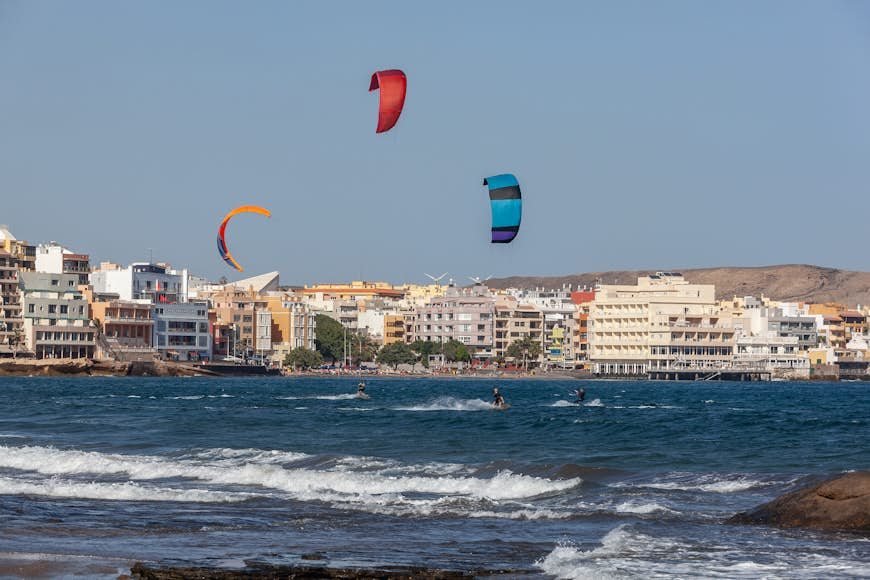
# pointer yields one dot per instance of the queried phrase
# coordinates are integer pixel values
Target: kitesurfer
(580, 394)
(497, 399)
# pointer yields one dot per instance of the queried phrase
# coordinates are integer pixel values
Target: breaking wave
(272, 473)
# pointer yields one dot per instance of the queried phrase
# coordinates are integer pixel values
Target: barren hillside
(793, 282)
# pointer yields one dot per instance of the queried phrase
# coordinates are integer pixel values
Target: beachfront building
(56, 317)
(56, 259)
(462, 314)
(772, 352)
(238, 308)
(181, 331)
(127, 326)
(663, 322)
(11, 323)
(513, 322)
(580, 336)
(154, 282)
(780, 321)
(294, 325)
(557, 309)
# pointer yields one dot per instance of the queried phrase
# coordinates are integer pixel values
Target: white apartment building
(142, 281)
(661, 323)
(56, 259)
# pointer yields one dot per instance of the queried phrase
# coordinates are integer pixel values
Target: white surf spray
(450, 404)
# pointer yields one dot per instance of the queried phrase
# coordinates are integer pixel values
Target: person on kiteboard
(497, 399)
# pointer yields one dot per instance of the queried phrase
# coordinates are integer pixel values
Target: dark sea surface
(635, 482)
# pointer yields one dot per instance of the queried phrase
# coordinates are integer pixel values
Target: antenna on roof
(478, 280)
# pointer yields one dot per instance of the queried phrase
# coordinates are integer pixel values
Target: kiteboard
(504, 407)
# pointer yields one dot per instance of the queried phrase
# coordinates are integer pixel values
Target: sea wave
(118, 491)
(626, 552)
(268, 469)
(708, 482)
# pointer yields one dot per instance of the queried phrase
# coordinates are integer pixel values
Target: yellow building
(663, 322)
(394, 328)
(356, 290)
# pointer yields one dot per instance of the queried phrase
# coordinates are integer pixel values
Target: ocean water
(637, 481)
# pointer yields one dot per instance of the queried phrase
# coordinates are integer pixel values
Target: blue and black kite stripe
(507, 207)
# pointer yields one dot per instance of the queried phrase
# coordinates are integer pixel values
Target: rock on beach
(841, 503)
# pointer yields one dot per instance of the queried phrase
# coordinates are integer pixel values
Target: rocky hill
(790, 282)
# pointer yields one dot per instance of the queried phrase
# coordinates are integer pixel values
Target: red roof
(582, 297)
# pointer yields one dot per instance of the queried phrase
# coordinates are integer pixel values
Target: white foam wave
(450, 404)
(713, 483)
(264, 469)
(118, 491)
(187, 397)
(631, 507)
(624, 552)
(594, 403)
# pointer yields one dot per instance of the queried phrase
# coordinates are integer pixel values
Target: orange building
(580, 338)
(394, 328)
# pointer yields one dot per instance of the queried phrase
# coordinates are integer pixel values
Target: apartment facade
(56, 316)
(515, 321)
(124, 323)
(663, 322)
(157, 283)
(181, 331)
(465, 316)
(11, 322)
(56, 259)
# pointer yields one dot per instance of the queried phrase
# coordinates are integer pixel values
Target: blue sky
(644, 135)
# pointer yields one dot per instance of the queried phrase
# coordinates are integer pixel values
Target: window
(52, 309)
(54, 282)
(247, 329)
(81, 309)
(30, 308)
(247, 318)
(203, 327)
(64, 309)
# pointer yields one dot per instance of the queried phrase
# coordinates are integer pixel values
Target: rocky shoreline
(838, 504)
(90, 367)
(260, 571)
